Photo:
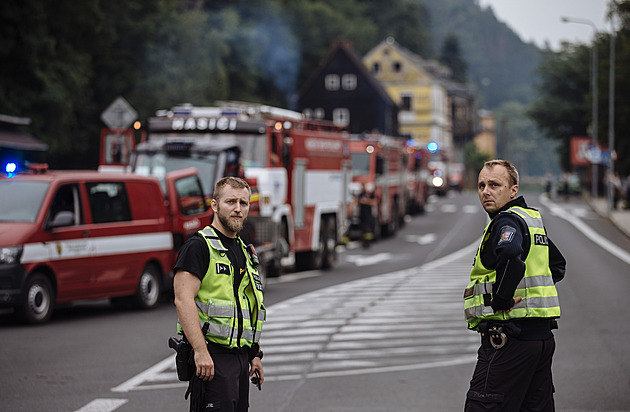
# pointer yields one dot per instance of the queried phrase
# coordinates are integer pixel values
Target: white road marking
(425, 239)
(471, 208)
(448, 208)
(367, 260)
(405, 320)
(103, 405)
(586, 230)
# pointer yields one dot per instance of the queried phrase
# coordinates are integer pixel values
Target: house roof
(345, 47)
(11, 137)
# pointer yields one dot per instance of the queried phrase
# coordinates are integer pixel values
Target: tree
(451, 56)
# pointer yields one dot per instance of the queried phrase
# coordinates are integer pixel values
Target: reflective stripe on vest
(540, 297)
(216, 302)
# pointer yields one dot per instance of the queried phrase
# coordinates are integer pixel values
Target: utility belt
(497, 334)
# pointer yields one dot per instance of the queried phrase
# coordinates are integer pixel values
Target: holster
(184, 359)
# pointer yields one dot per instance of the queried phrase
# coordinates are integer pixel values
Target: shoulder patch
(507, 234)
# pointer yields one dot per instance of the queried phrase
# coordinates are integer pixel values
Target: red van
(77, 235)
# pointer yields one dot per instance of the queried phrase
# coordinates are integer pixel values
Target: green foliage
(563, 108)
(451, 57)
(525, 145)
(473, 162)
(500, 65)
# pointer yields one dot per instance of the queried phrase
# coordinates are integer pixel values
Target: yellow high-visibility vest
(540, 297)
(231, 322)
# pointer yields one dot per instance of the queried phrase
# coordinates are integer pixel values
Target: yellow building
(414, 84)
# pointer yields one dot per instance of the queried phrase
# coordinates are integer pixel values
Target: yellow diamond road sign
(119, 114)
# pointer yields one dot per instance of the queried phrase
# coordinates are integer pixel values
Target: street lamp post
(594, 87)
(611, 114)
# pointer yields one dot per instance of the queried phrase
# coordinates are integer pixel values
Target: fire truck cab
(417, 176)
(379, 162)
(300, 170)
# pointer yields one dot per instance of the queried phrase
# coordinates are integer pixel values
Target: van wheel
(149, 288)
(38, 301)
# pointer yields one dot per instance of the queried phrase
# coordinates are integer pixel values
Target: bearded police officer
(219, 300)
(512, 300)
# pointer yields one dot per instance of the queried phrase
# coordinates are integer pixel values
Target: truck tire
(149, 288)
(275, 268)
(328, 243)
(38, 301)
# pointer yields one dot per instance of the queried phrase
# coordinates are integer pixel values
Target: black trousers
(228, 391)
(514, 378)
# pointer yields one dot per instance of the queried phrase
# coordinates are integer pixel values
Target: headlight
(437, 181)
(10, 255)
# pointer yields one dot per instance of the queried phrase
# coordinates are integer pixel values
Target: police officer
(218, 289)
(512, 300)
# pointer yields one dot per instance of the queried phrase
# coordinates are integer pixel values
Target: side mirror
(63, 218)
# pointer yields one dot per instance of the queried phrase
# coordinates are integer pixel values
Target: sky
(539, 20)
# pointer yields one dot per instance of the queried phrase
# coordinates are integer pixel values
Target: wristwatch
(259, 354)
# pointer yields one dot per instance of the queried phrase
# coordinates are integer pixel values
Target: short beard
(228, 224)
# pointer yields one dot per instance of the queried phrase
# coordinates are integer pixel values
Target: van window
(108, 202)
(65, 209)
(190, 196)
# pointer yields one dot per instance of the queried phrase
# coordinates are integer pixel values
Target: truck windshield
(253, 146)
(159, 164)
(21, 200)
(360, 164)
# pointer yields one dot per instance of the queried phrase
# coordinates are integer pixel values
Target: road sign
(119, 114)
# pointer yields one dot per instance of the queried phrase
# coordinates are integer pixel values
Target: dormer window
(349, 81)
(332, 82)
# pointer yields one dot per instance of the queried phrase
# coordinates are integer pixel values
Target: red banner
(580, 151)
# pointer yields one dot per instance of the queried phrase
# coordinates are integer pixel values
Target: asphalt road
(383, 331)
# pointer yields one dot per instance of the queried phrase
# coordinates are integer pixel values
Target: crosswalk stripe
(405, 320)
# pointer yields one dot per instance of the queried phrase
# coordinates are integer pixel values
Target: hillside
(500, 65)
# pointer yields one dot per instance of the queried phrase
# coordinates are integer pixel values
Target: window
(341, 117)
(318, 113)
(65, 209)
(190, 196)
(376, 67)
(332, 82)
(108, 202)
(405, 102)
(349, 81)
(397, 66)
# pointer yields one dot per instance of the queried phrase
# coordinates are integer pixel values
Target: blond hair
(235, 182)
(512, 172)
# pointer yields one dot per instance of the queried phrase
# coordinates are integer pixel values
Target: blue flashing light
(10, 168)
(432, 147)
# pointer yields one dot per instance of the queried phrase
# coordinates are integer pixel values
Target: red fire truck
(379, 161)
(417, 160)
(300, 169)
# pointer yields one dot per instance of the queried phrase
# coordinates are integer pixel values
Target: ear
(213, 205)
(514, 190)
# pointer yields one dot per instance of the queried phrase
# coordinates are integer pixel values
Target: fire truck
(379, 161)
(417, 177)
(300, 170)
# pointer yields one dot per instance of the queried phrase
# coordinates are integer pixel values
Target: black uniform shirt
(505, 250)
